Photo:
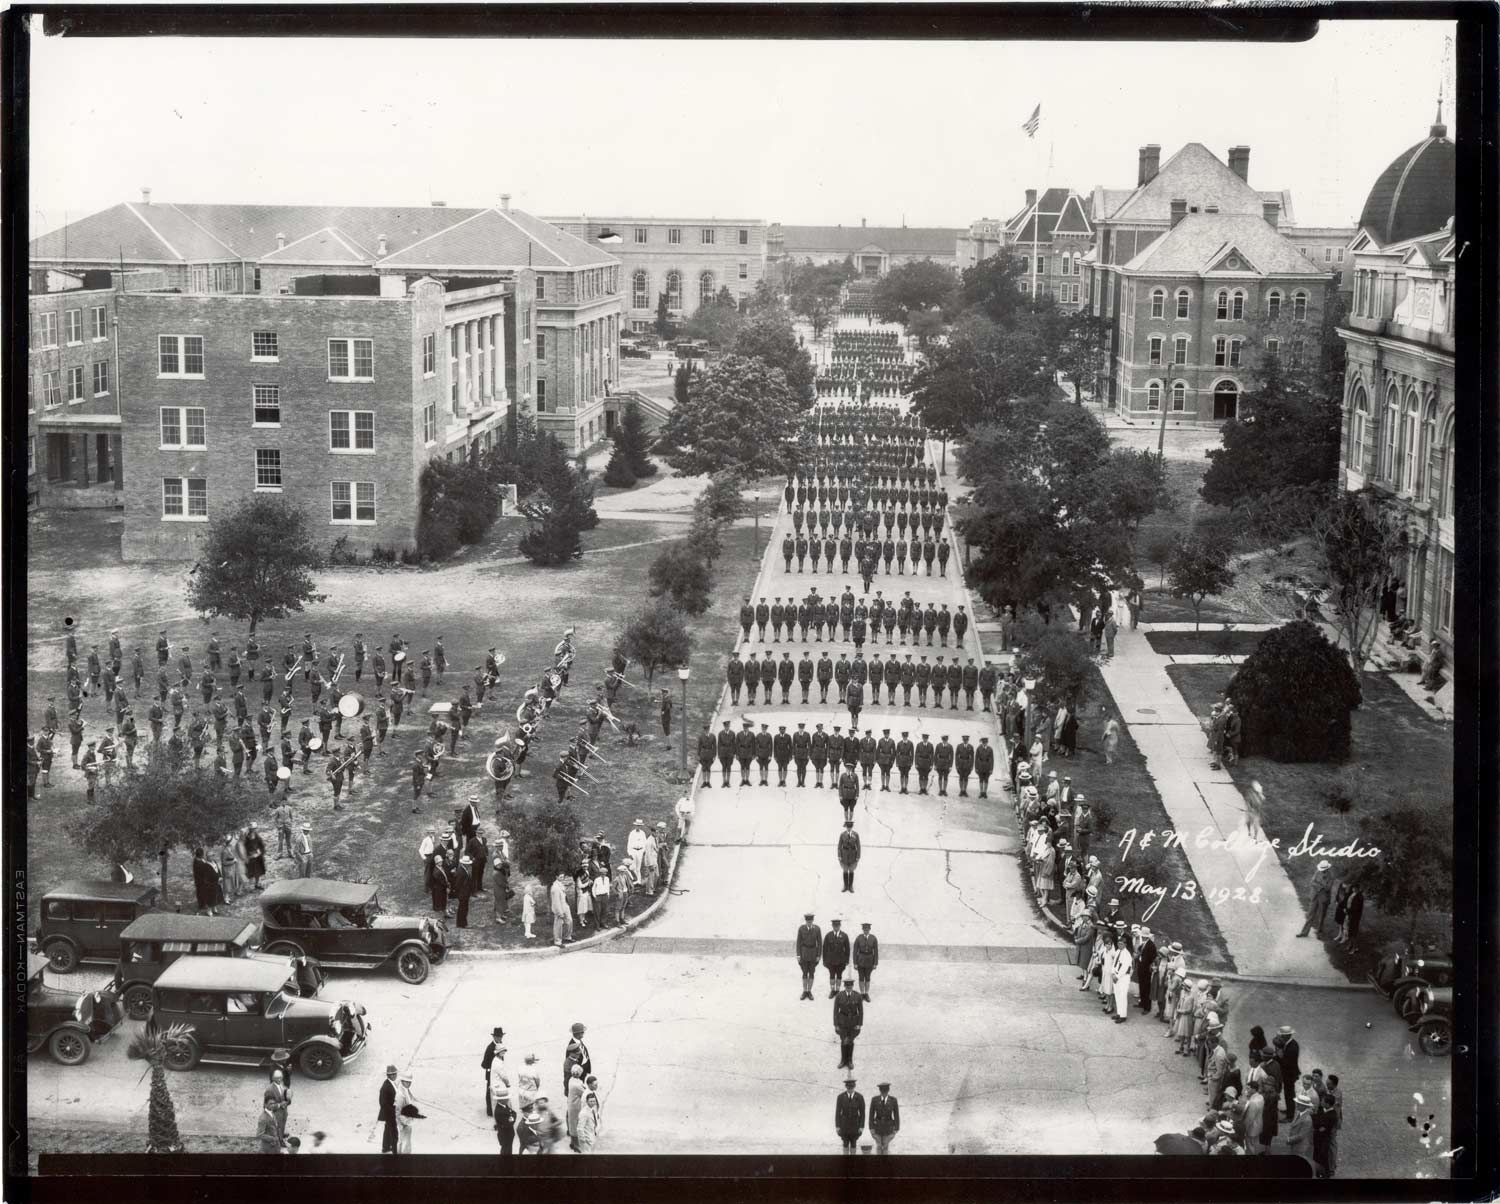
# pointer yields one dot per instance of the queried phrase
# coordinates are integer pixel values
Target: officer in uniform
(744, 750)
(725, 744)
(885, 757)
(848, 851)
(960, 625)
(801, 549)
(734, 669)
(706, 751)
(867, 750)
(809, 945)
(984, 765)
(848, 1019)
(781, 750)
(923, 677)
(987, 683)
(762, 617)
(788, 547)
(805, 672)
(764, 745)
(875, 675)
(970, 679)
(944, 622)
(901, 547)
(818, 752)
(825, 673)
(943, 552)
(801, 746)
(848, 1109)
(923, 759)
(943, 763)
(786, 674)
(848, 791)
(866, 958)
(885, 1118)
(747, 616)
(778, 618)
(939, 682)
(854, 698)
(963, 762)
(835, 955)
(955, 680)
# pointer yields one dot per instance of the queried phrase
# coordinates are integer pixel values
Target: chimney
(280, 240)
(1239, 162)
(1150, 164)
(380, 248)
(505, 202)
(145, 196)
(1179, 210)
(1271, 211)
(1030, 197)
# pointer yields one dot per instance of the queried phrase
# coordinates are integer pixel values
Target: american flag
(1031, 123)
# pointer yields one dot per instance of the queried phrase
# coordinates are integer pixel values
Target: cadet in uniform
(963, 761)
(726, 746)
(764, 744)
(809, 945)
(866, 958)
(744, 750)
(848, 791)
(735, 671)
(984, 765)
(706, 750)
(848, 1019)
(943, 763)
(849, 851)
(923, 759)
(885, 757)
(835, 955)
(818, 752)
(781, 750)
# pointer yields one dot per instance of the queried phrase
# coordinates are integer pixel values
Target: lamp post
(682, 676)
(757, 522)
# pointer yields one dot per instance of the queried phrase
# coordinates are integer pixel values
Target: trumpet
(290, 673)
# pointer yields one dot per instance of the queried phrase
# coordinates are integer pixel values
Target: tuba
(499, 766)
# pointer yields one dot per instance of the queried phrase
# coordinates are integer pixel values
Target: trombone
(334, 770)
(592, 751)
(337, 670)
(573, 782)
(290, 673)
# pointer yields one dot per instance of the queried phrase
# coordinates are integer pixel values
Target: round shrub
(1295, 693)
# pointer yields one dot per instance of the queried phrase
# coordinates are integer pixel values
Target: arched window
(1449, 472)
(1179, 396)
(1388, 444)
(1158, 302)
(1432, 468)
(1183, 302)
(1226, 400)
(1153, 395)
(1299, 306)
(1221, 304)
(1237, 309)
(1273, 304)
(674, 289)
(1409, 459)
(705, 288)
(640, 290)
(1360, 429)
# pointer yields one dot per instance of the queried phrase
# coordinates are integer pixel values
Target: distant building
(1399, 400)
(1052, 236)
(687, 259)
(875, 250)
(1189, 266)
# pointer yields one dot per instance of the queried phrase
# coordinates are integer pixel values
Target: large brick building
(687, 259)
(1193, 269)
(875, 250)
(1399, 399)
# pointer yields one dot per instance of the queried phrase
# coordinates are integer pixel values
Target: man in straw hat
(1322, 895)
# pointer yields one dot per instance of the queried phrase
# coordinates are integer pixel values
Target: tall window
(74, 326)
(352, 501)
(97, 325)
(1445, 589)
(183, 427)
(351, 359)
(541, 344)
(674, 235)
(46, 330)
(429, 423)
(541, 396)
(1234, 352)
(640, 290)
(351, 430)
(709, 236)
(744, 270)
(1360, 428)
(1221, 354)
(1221, 304)
(1431, 466)
(1180, 349)
(264, 345)
(1153, 395)
(1388, 447)
(541, 288)
(1179, 396)
(640, 234)
(674, 289)
(268, 468)
(1155, 354)
(1237, 305)
(184, 498)
(1273, 304)
(1025, 264)
(429, 354)
(51, 390)
(101, 378)
(744, 238)
(1273, 349)
(705, 288)
(179, 355)
(1183, 300)
(1158, 302)
(75, 383)
(1409, 445)
(1450, 471)
(266, 402)
(1299, 306)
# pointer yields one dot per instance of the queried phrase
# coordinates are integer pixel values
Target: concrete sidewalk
(1206, 806)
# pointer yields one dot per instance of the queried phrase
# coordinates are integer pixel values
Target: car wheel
(1405, 1002)
(69, 1046)
(1437, 1040)
(183, 1054)
(137, 1002)
(412, 965)
(320, 1062)
(62, 957)
(283, 949)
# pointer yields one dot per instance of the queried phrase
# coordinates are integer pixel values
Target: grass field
(1398, 755)
(1211, 640)
(1161, 607)
(1129, 790)
(519, 609)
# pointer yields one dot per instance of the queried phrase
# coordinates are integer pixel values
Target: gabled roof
(1196, 174)
(327, 245)
(1104, 201)
(493, 239)
(896, 240)
(1073, 220)
(1201, 240)
(137, 233)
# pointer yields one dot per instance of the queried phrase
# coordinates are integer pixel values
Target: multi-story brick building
(1399, 400)
(1189, 269)
(686, 259)
(335, 398)
(875, 250)
(1052, 236)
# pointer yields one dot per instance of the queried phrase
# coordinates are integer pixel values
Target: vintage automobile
(1401, 974)
(1433, 1022)
(341, 924)
(82, 920)
(67, 1023)
(238, 1012)
(156, 940)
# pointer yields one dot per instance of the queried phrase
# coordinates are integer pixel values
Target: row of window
(1229, 306)
(181, 356)
(1224, 391)
(44, 330)
(186, 427)
(186, 498)
(49, 386)
(1068, 265)
(1409, 452)
(708, 287)
(708, 236)
(1066, 293)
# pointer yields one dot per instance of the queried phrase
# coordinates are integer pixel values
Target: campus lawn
(1128, 789)
(516, 607)
(1161, 607)
(1213, 640)
(1398, 755)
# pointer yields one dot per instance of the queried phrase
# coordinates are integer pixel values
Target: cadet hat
(848, 979)
(579, 1030)
(807, 915)
(802, 725)
(849, 1082)
(865, 924)
(886, 731)
(848, 823)
(834, 920)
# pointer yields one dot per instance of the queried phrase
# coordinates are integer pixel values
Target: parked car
(66, 1023)
(341, 924)
(1402, 973)
(82, 920)
(238, 1012)
(1434, 1021)
(631, 351)
(155, 941)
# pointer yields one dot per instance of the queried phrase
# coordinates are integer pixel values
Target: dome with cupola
(1414, 195)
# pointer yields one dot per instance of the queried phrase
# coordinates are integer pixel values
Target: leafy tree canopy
(545, 838)
(991, 287)
(716, 323)
(1199, 568)
(1058, 657)
(1295, 693)
(736, 417)
(919, 285)
(975, 374)
(1414, 872)
(632, 442)
(680, 574)
(257, 563)
(657, 638)
(768, 337)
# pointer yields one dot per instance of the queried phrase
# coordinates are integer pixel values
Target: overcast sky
(798, 132)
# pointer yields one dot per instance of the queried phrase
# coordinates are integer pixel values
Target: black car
(341, 924)
(1433, 1021)
(67, 1024)
(238, 1012)
(82, 920)
(1401, 975)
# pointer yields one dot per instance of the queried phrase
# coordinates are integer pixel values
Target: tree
(917, 285)
(1159, 552)
(769, 338)
(257, 563)
(975, 374)
(1295, 693)
(1058, 658)
(721, 499)
(560, 518)
(545, 839)
(521, 454)
(924, 325)
(165, 805)
(716, 323)
(458, 504)
(1414, 872)
(617, 473)
(657, 638)
(737, 416)
(631, 435)
(152, 1045)
(663, 323)
(1357, 537)
(703, 539)
(1198, 569)
(1082, 344)
(990, 287)
(680, 574)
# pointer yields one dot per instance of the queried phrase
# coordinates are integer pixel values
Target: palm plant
(152, 1045)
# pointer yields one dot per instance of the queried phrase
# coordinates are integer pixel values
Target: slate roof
(1415, 193)
(322, 246)
(1199, 240)
(494, 239)
(898, 240)
(1195, 174)
(1058, 210)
